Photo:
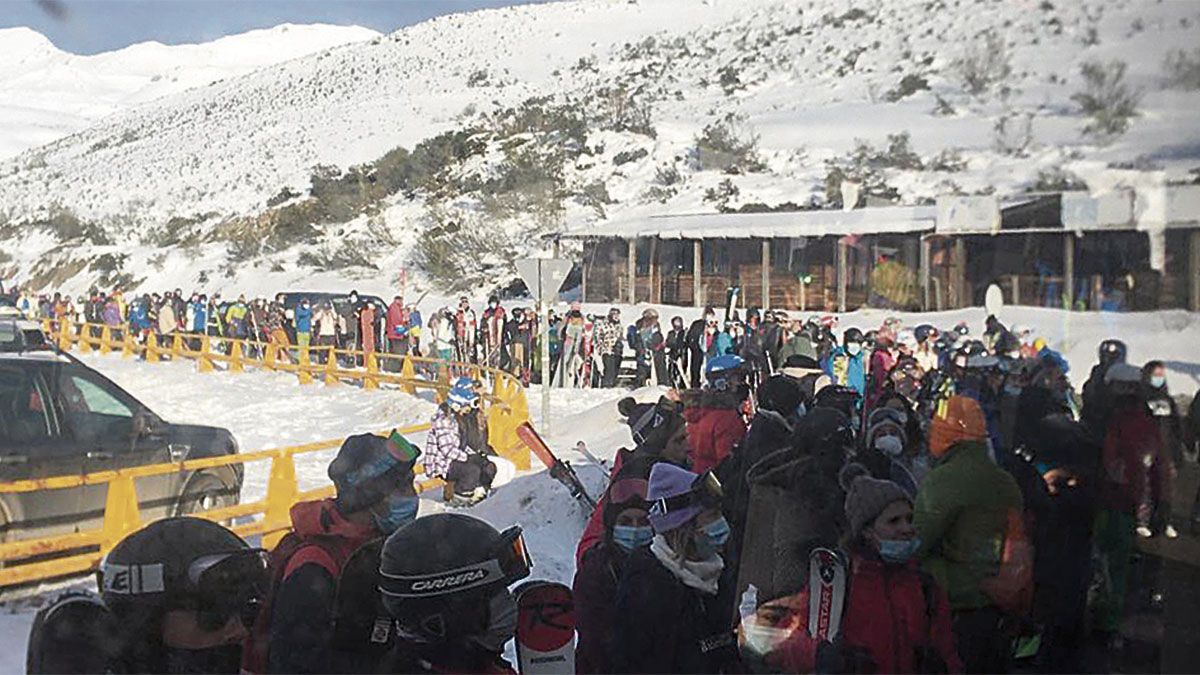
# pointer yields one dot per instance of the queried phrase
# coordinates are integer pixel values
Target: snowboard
(559, 470)
(993, 300)
(827, 593)
(732, 296)
(545, 628)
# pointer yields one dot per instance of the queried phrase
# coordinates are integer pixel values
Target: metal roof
(870, 220)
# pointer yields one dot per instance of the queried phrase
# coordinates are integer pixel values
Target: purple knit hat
(666, 481)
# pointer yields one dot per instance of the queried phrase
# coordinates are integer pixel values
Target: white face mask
(853, 348)
(889, 445)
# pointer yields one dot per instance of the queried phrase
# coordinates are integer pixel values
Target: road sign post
(543, 277)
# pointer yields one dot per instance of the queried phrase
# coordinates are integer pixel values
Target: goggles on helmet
(224, 585)
(510, 562)
(706, 491)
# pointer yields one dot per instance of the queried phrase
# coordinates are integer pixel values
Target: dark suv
(59, 417)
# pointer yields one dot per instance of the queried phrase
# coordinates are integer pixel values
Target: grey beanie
(867, 497)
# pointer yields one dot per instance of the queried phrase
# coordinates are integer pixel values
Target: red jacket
(881, 364)
(886, 615)
(713, 428)
(397, 320)
(1131, 462)
(593, 532)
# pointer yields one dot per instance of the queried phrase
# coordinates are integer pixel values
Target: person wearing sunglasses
(177, 596)
(668, 615)
(626, 529)
(375, 497)
(444, 579)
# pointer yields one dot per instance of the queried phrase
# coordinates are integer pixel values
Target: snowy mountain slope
(624, 92)
(46, 93)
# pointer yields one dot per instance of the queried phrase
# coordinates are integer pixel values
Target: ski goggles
(706, 492)
(628, 492)
(510, 562)
(225, 585)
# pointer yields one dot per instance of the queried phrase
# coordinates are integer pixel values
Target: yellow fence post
(64, 335)
(152, 348)
(304, 371)
(331, 367)
(105, 338)
(282, 493)
(85, 338)
(177, 349)
(126, 343)
(235, 356)
(204, 362)
(440, 393)
(507, 413)
(268, 355)
(369, 380)
(120, 512)
(408, 373)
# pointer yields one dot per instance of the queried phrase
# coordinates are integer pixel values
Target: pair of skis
(559, 470)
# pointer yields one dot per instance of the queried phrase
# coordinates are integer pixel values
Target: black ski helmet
(924, 331)
(438, 572)
(1112, 351)
(852, 335)
(367, 469)
(182, 563)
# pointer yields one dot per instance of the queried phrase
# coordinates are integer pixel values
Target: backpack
(75, 634)
(292, 552)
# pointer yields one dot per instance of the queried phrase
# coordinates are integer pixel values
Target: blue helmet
(722, 364)
(461, 397)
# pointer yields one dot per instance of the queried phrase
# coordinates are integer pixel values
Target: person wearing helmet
(375, 497)
(1096, 399)
(177, 596)
(714, 414)
(926, 351)
(449, 456)
(444, 580)
(626, 529)
(847, 362)
(1129, 471)
(670, 618)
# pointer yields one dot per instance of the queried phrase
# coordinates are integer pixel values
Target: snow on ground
(271, 410)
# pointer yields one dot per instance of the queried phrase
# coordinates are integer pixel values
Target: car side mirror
(145, 423)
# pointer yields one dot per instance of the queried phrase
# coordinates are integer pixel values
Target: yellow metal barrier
(505, 405)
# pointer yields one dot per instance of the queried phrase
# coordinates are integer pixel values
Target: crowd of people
(983, 512)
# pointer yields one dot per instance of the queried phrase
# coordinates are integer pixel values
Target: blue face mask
(898, 551)
(630, 537)
(717, 532)
(1158, 381)
(398, 511)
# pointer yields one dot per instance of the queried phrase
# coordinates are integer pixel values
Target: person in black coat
(1170, 429)
(696, 347)
(668, 617)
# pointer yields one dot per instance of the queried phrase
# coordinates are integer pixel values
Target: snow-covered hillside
(519, 121)
(46, 93)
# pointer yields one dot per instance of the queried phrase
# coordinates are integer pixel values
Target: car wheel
(205, 492)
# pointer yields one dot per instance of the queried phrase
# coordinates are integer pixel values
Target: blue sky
(91, 26)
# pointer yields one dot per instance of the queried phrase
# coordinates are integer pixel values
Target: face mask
(354, 298)
(220, 659)
(1014, 355)
(762, 638)
(398, 511)
(630, 537)
(1158, 381)
(853, 348)
(898, 550)
(1012, 390)
(502, 622)
(717, 532)
(889, 445)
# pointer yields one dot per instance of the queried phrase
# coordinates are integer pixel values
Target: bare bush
(727, 145)
(459, 250)
(986, 64)
(1181, 69)
(1012, 134)
(1107, 99)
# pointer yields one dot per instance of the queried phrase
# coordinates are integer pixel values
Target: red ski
(545, 628)
(559, 470)
(827, 593)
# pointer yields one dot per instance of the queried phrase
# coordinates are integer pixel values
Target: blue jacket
(855, 369)
(723, 343)
(303, 319)
(138, 319)
(200, 320)
(414, 319)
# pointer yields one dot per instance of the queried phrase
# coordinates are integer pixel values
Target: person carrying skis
(1170, 456)
(449, 624)
(648, 344)
(276, 333)
(175, 597)
(414, 329)
(963, 514)
(571, 358)
(697, 339)
(677, 353)
(669, 617)
(468, 474)
(368, 327)
(375, 496)
(466, 330)
(626, 529)
(493, 332)
(895, 618)
(518, 336)
(847, 362)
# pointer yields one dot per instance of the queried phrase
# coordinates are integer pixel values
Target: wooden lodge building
(1123, 250)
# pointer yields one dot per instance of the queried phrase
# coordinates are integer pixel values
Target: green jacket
(961, 515)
